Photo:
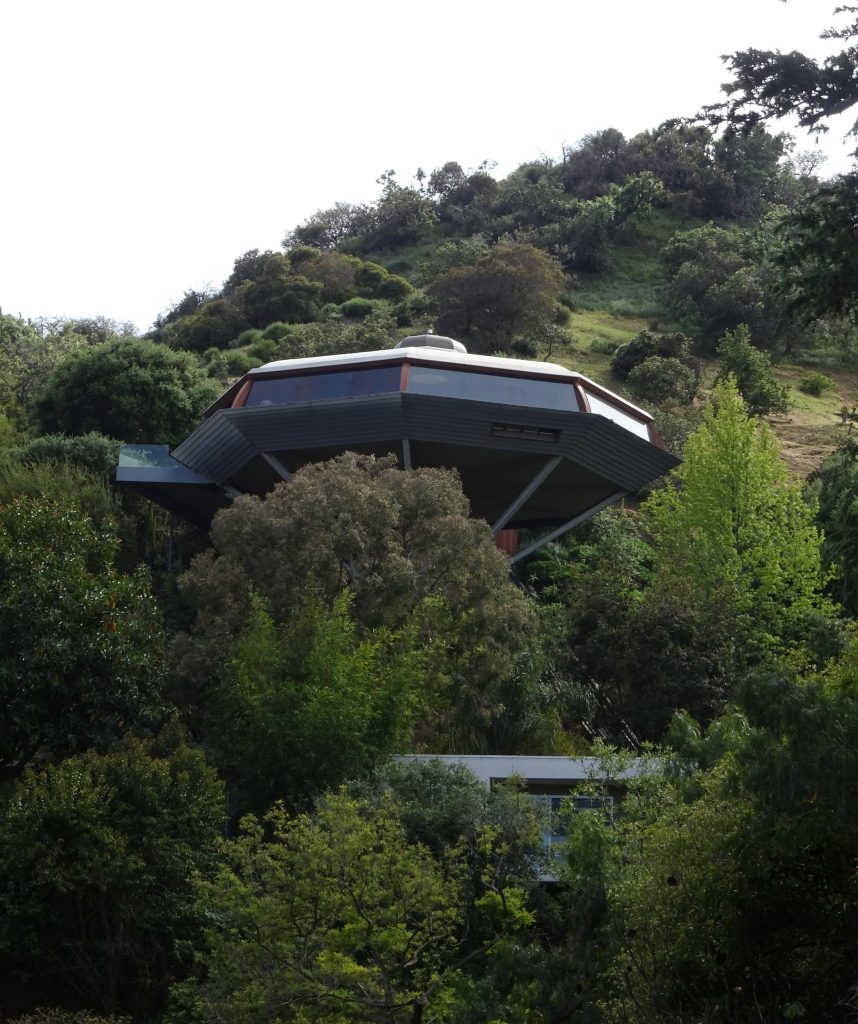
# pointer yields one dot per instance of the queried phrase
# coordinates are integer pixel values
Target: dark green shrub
(410, 309)
(645, 345)
(245, 338)
(263, 351)
(659, 379)
(92, 451)
(393, 288)
(136, 391)
(276, 331)
(216, 323)
(815, 384)
(369, 276)
(357, 308)
(330, 311)
(238, 363)
(97, 857)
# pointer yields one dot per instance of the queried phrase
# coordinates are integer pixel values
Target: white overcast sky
(147, 145)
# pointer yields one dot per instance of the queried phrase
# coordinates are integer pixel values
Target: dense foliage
(221, 833)
(97, 857)
(80, 643)
(133, 390)
(416, 565)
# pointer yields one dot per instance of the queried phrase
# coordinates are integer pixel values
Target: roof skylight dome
(431, 341)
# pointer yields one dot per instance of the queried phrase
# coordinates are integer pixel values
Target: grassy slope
(609, 309)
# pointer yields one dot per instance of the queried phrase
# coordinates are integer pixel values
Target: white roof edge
(532, 768)
(424, 353)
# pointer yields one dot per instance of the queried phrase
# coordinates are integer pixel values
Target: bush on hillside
(660, 379)
(645, 345)
(815, 384)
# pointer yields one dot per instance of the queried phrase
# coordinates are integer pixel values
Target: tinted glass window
(489, 387)
(322, 387)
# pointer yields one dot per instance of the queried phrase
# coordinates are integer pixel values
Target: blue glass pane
(323, 387)
(490, 387)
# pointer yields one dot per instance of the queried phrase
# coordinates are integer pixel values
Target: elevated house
(537, 446)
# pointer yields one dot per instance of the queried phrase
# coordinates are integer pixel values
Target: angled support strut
(533, 486)
(277, 466)
(540, 542)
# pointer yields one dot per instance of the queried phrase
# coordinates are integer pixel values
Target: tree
(27, 356)
(769, 84)
(719, 278)
(301, 709)
(400, 216)
(216, 323)
(463, 198)
(816, 251)
(680, 156)
(732, 528)
(752, 371)
(95, 330)
(500, 299)
(132, 390)
(753, 174)
(836, 483)
(595, 163)
(817, 256)
(730, 878)
(66, 484)
(97, 857)
(402, 543)
(339, 917)
(731, 578)
(279, 294)
(634, 653)
(326, 229)
(644, 346)
(80, 644)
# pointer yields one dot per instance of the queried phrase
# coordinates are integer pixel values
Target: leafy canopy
(770, 84)
(131, 390)
(508, 295)
(298, 710)
(338, 917)
(752, 372)
(733, 528)
(729, 878)
(80, 644)
(401, 542)
(97, 855)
